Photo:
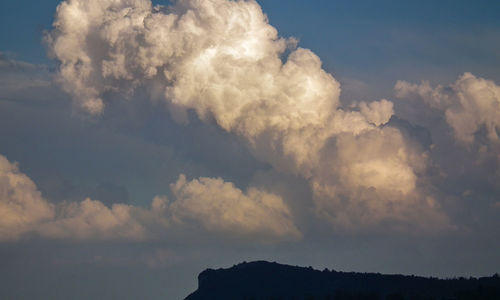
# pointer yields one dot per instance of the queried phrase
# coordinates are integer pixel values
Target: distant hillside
(264, 280)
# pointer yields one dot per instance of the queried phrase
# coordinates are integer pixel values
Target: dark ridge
(265, 280)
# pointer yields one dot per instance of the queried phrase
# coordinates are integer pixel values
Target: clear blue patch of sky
(363, 36)
(22, 23)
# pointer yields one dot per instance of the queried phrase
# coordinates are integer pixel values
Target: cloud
(374, 182)
(21, 78)
(469, 104)
(91, 219)
(221, 207)
(377, 112)
(217, 206)
(23, 211)
(223, 60)
(463, 121)
(21, 204)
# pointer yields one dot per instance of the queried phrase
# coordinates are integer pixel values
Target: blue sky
(351, 36)
(414, 190)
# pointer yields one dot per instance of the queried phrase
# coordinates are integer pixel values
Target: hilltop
(269, 280)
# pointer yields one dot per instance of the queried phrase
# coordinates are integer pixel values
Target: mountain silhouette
(261, 280)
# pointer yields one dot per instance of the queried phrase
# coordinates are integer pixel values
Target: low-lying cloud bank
(216, 206)
(223, 60)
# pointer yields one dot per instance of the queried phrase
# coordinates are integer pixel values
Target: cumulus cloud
(23, 211)
(223, 60)
(21, 204)
(465, 113)
(469, 104)
(218, 206)
(91, 219)
(376, 180)
(377, 112)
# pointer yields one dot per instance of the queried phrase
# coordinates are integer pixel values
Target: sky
(141, 143)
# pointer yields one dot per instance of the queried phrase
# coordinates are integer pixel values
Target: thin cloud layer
(217, 206)
(19, 78)
(223, 60)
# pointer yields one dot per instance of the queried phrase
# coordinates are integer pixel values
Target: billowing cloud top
(224, 60)
(219, 206)
(469, 104)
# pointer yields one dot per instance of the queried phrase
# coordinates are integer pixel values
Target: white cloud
(21, 204)
(468, 104)
(377, 112)
(378, 159)
(221, 207)
(462, 120)
(218, 206)
(24, 211)
(373, 180)
(91, 219)
(224, 60)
